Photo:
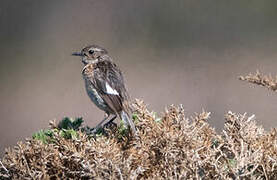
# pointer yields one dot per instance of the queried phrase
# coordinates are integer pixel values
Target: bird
(105, 85)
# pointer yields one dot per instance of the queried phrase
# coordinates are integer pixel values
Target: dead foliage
(168, 147)
(260, 79)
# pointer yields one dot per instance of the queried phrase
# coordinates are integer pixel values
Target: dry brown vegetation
(170, 147)
(260, 79)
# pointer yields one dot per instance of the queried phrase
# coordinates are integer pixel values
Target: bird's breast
(94, 95)
(88, 70)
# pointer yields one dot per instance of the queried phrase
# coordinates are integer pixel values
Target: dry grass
(263, 80)
(170, 147)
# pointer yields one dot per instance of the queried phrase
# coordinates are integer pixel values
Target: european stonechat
(105, 85)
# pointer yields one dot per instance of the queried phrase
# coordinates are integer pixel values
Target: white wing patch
(110, 90)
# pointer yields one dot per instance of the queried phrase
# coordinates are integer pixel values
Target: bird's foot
(92, 131)
(99, 130)
(110, 125)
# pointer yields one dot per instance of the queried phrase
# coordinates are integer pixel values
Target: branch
(263, 80)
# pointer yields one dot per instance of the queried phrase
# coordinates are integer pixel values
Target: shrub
(168, 147)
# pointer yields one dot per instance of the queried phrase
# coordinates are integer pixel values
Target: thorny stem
(266, 177)
(28, 168)
(251, 172)
(4, 167)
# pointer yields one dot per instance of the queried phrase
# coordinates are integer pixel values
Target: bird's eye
(91, 51)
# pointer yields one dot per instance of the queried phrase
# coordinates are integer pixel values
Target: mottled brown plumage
(105, 83)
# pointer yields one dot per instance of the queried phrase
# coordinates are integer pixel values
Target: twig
(251, 172)
(28, 168)
(262, 80)
(7, 171)
(266, 177)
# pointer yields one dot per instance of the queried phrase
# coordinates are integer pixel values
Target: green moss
(69, 133)
(46, 136)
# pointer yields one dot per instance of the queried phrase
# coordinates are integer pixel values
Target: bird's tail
(128, 121)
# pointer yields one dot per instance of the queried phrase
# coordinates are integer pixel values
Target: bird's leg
(100, 124)
(110, 124)
(111, 120)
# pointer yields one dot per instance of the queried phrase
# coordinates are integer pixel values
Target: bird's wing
(109, 82)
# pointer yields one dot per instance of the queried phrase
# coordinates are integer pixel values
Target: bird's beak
(77, 54)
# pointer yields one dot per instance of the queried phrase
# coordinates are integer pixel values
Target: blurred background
(188, 52)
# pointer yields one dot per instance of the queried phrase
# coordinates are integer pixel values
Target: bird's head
(91, 53)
